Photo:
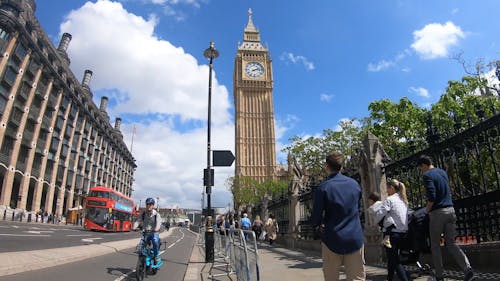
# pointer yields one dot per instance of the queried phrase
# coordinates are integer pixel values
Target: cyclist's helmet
(150, 201)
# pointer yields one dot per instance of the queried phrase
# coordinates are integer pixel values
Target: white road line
(39, 231)
(124, 275)
(91, 240)
(26, 235)
(76, 235)
(177, 241)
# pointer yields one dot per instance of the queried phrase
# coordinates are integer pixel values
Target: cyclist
(151, 223)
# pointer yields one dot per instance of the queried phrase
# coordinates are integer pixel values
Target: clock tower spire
(254, 109)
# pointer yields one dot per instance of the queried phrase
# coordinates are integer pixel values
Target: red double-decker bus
(108, 210)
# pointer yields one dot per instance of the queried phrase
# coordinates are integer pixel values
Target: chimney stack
(86, 78)
(104, 103)
(118, 122)
(63, 45)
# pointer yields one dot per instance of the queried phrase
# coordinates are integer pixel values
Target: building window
(10, 76)
(4, 35)
(20, 51)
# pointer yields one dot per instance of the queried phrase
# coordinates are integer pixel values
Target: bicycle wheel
(140, 269)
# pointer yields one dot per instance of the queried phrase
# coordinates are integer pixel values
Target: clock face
(254, 69)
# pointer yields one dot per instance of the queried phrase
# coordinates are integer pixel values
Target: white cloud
(386, 64)
(326, 97)
(435, 40)
(380, 66)
(195, 3)
(420, 91)
(281, 126)
(289, 57)
(152, 78)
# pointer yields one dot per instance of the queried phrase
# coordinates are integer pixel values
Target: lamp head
(211, 52)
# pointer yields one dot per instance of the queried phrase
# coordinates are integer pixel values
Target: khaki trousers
(354, 264)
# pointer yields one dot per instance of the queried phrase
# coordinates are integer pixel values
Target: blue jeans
(155, 239)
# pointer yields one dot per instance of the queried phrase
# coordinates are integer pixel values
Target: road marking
(26, 235)
(39, 231)
(15, 226)
(91, 240)
(76, 235)
(177, 241)
(124, 275)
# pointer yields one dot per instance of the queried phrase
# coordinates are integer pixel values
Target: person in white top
(394, 212)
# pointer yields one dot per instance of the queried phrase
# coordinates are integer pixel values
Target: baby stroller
(417, 240)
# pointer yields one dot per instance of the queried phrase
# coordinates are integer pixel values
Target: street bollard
(13, 215)
(29, 217)
(21, 217)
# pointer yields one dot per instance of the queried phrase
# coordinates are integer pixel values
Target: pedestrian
(394, 213)
(245, 222)
(442, 218)
(271, 228)
(257, 227)
(336, 208)
(221, 225)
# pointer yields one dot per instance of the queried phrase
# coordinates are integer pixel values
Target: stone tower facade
(254, 109)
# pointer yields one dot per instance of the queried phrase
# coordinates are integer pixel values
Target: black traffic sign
(223, 158)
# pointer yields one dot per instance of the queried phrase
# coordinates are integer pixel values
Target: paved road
(119, 266)
(18, 236)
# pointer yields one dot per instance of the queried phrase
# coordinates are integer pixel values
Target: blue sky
(330, 60)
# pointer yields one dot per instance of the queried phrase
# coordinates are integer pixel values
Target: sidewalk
(280, 264)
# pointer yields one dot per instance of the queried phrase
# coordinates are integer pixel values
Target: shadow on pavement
(118, 271)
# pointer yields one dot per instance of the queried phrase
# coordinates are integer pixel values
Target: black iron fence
(470, 158)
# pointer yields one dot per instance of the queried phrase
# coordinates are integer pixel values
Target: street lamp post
(211, 53)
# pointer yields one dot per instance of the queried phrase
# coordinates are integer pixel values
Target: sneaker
(387, 241)
(469, 275)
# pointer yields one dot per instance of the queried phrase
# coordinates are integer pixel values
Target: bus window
(97, 215)
(100, 194)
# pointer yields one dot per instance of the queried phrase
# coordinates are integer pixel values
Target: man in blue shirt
(245, 222)
(336, 211)
(442, 218)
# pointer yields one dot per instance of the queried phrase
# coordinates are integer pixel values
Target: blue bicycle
(145, 262)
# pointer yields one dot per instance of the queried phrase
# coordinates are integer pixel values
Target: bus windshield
(98, 215)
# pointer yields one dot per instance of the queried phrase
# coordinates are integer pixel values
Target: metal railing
(236, 253)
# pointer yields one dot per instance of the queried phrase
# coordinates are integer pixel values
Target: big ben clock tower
(254, 110)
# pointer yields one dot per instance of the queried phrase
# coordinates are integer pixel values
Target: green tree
(310, 152)
(400, 126)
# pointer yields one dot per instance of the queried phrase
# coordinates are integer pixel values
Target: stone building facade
(55, 142)
(254, 108)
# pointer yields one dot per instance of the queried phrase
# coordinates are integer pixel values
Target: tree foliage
(247, 191)
(310, 152)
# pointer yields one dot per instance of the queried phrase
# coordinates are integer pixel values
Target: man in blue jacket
(442, 218)
(336, 209)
